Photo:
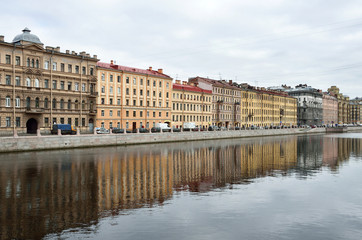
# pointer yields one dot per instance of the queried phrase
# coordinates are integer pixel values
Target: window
(127, 102)
(17, 81)
(134, 92)
(17, 102)
(127, 113)
(118, 113)
(118, 78)
(111, 101)
(54, 103)
(69, 104)
(103, 77)
(103, 89)
(110, 113)
(7, 101)
(28, 82)
(154, 114)
(46, 103)
(54, 84)
(167, 95)
(46, 83)
(46, 122)
(134, 103)
(70, 68)
(7, 59)
(17, 60)
(141, 81)
(159, 114)
(69, 86)
(8, 121)
(37, 63)
(160, 85)
(76, 69)
(167, 85)
(160, 94)
(61, 104)
(134, 81)
(141, 92)
(127, 91)
(36, 102)
(32, 62)
(111, 125)
(28, 62)
(62, 67)
(8, 80)
(102, 113)
(102, 100)
(110, 90)
(127, 125)
(141, 103)
(154, 83)
(84, 72)
(127, 79)
(76, 87)
(141, 114)
(54, 66)
(83, 122)
(111, 78)
(134, 113)
(76, 122)
(119, 90)
(46, 65)
(83, 87)
(36, 83)
(118, 101)
(148, 82)
(62, 85)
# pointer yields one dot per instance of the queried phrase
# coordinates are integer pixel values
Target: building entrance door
(31, 126)
(134, 125)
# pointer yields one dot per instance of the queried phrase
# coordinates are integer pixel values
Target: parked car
(195, 129)
(64, 129)
(117, 130)
(102, 130)
(141, 130)
(155, 129)
(176, 129)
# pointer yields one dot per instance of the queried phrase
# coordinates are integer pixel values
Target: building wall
(191, 104)
(343, 102)
(31, 77)
(131, 99)
(330, 109)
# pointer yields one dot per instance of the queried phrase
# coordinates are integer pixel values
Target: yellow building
(343, 103)
(131, 98)
(191, 104)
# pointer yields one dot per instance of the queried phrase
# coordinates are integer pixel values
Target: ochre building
(40, 86)
(191, 104)
(131, 98)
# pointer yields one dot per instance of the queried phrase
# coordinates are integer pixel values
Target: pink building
(330, 108)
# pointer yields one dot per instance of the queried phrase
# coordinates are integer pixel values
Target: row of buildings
(40, 86)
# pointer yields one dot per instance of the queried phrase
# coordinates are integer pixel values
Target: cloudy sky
(263, 43)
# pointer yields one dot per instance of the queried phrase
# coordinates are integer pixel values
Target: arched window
(46, 103)
(36, 102)
(83, 104)
(69, 104)
(76, 105)
(61, 104)
(7, 101)
(32, 62)
(37, 63)
(28, 82)
(17, 102)
(54, 103)
(28, 62)
(36, 82)
(28, 102)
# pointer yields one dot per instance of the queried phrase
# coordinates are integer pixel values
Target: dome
(27, 36)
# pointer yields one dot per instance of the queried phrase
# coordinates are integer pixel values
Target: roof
(216, 83)
(132, 70)
(189, 88)
(27, 36)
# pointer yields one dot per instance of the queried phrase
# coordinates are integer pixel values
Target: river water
(305, 187)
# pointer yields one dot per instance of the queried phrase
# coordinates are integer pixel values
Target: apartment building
(191, 104)
(40, 86)
(343, 103)
(131, 98)
(330, 108)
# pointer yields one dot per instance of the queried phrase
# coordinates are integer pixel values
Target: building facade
(355, 107)
(42, 86)
(343, 103)
(310, 111)
(330, 109)
(191, 104)
(131, 98)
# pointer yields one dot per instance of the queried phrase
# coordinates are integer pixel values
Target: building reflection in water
(48, 192)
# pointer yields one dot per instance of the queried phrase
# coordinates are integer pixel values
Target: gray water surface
(307, 187)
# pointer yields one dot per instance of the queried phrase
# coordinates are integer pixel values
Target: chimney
(178, 81)
(150, 68)
(49, 48)
(2, 38)
(67, 51)
(184, 83)
(95, 56)
(57, 49)
(160, 70)
(230, 82)
(196, 84)
(73, 53)
(111, 62)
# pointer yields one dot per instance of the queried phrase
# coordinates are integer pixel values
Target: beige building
(41, 85)
(343, 102)
(131, 98)
(355, 110)
(330, 108)
(191, 104)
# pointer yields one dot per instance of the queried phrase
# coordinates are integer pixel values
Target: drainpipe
(51, 88)
(81, 96)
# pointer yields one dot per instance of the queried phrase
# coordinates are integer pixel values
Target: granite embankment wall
(33, 143)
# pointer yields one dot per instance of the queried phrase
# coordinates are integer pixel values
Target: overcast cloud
(264, 43)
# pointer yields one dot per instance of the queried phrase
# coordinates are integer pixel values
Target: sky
(263, 43)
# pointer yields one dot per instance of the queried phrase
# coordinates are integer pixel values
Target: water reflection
(48, 192)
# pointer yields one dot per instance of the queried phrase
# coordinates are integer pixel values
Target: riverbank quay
(37, 143)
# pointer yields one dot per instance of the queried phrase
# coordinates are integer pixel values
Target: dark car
(117, 130)
(213, 128)
(176, 129)
(140, 130)
(155, 129)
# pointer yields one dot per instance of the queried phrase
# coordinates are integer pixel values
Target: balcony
(92, 112)
(93, 94)
(31, 110)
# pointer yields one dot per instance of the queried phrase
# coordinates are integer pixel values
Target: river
(285, 187)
